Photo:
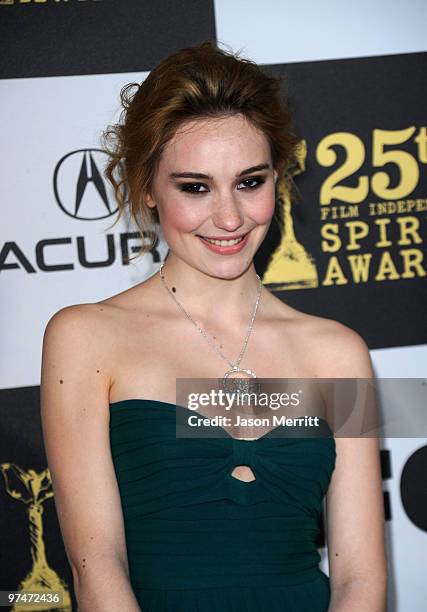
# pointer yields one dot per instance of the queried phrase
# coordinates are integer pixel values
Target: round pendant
(239, 380)
(236, 369)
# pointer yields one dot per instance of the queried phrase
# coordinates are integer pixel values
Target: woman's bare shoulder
(135, 299)
(75, 338)
(100, 316)
(335, 349)
(73, 323)
(338, 350)
(99, 328)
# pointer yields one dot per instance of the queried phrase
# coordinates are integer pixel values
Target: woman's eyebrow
(198, 175)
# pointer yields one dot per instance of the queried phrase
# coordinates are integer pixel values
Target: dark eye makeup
(188, 187)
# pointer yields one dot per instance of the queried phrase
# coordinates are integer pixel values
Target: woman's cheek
(182, 216)
(263, 210)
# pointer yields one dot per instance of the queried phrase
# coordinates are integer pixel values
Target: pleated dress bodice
(197, 537)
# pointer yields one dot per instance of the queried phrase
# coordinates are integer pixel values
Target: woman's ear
(275, 176)
(149, 201)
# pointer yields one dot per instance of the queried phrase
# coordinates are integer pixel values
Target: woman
(156, 523)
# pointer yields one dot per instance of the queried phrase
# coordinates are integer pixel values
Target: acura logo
(80, 188)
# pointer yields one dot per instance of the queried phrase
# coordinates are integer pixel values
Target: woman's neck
(208, 297)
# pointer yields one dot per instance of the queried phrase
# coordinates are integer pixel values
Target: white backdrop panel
(43, 119)
(280, 31)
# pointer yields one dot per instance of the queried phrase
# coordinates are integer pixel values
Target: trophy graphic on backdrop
(34, 489)
(290, 266)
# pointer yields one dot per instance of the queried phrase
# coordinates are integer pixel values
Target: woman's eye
(250, 183)
(257, 181)
(190, 187)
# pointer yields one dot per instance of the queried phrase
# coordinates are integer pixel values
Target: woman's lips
(226, 250)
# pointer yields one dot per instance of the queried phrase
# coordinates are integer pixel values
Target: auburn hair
(202, 81)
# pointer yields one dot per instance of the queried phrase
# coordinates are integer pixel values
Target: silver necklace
(233, 367)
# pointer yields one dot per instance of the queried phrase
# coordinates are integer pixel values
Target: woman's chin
(227, 272)
(217, 265)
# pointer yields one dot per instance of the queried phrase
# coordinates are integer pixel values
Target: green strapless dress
(199, 539)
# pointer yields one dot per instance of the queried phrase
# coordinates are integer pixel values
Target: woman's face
(215, 180)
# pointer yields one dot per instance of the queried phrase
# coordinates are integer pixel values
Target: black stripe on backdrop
(62, 38)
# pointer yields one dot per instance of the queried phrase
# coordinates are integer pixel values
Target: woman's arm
(354, 501)
(75, 420)
(355, 519)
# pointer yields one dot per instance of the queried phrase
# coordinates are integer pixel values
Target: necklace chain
(234, 367)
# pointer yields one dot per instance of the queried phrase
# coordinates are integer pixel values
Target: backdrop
(353, 246)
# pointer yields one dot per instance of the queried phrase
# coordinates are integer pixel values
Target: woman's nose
(227, 214)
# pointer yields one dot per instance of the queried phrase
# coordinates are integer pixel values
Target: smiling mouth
(224, 242)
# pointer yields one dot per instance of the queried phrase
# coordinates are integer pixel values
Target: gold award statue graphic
(34, 488)
(290, 266)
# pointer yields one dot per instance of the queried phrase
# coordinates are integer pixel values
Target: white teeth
(224, 242)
